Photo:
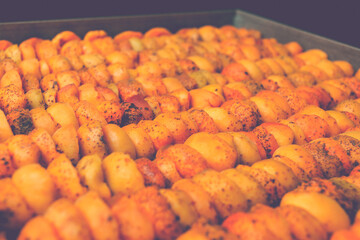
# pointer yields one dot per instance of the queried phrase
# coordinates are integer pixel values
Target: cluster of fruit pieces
(203, 134)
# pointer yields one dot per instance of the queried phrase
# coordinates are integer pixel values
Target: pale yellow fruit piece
(319, 206)
(122, 174)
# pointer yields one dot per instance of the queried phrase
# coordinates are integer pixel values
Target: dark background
(337, 20)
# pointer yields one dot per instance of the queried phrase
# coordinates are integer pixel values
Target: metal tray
(19, 31)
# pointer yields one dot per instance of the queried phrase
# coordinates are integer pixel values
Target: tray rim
(297, 29)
